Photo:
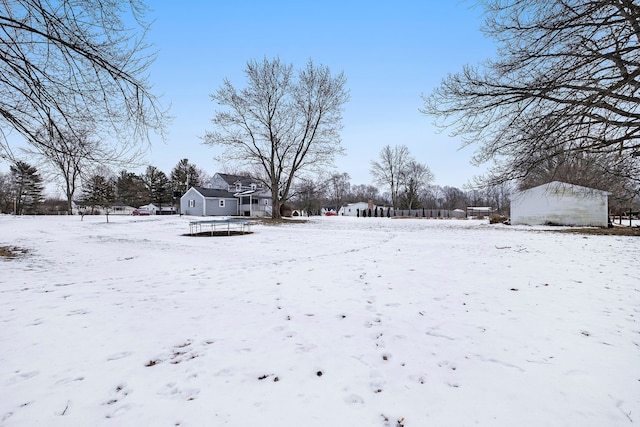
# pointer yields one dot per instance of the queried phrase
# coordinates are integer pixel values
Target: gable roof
(232, 179)
(214, 192)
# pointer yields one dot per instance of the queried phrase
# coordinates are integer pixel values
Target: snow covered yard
(334, 322)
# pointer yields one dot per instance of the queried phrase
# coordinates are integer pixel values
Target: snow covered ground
(334, 322)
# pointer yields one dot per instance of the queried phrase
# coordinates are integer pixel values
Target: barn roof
(566, 185)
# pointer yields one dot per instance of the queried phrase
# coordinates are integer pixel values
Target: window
(253, 186)
(192, 203)
(222, 203)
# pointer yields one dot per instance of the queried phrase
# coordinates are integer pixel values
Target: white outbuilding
(559, 203)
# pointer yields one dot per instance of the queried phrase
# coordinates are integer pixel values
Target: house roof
(214, 192)
(232, 179)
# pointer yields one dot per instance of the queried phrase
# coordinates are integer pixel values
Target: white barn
(559, 203)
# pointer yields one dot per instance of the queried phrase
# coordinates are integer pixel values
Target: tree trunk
(275, 207)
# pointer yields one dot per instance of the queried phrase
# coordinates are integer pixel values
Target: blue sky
(390, 52)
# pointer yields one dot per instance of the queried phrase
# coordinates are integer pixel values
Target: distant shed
(559, 203)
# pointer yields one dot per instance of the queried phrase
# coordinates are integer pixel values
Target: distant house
(151, 208)
(201, 201)
(354, 209)
(559, 203)
(120, 208)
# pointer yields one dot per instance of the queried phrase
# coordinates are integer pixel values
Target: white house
(357, 209)
(352, 209)
(559, 203)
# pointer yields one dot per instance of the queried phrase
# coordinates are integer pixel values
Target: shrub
(497, 219)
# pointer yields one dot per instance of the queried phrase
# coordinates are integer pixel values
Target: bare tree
(338, 187)
(309, 195)
(432, 197)
(281, 123)
(364, 192)
(567, 80)
(417, 177)
(454, 198)
(69, 153)
(390, 170)
(69, 62)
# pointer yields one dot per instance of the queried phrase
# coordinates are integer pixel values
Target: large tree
(131, 189)
(282, 123)
(391, 168)
(69, 62)
(566, 80)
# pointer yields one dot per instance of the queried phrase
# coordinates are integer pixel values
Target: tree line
(22, 189)
(335, 191)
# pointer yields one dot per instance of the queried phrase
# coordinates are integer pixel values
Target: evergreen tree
(99, 191)
(131, 189)
(184, 176)
(157, 185)
(27, 188)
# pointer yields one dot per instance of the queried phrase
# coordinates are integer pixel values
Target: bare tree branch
(567, 80)
(281, 123)
(71, 62)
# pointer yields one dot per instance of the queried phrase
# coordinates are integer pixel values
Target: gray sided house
(199, 201)
(559, 203)
(254, 200)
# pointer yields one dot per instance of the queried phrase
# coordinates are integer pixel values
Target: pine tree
(27, 188)
(131, 189)
(157, 185)
(184, 176)
(99, 191)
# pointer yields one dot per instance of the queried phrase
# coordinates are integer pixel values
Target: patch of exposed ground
(11, 251)
(613, 231)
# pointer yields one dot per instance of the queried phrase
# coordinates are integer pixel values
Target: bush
(497, 219)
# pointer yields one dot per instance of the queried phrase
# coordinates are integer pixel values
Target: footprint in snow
(354, 400)
(117, 356)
